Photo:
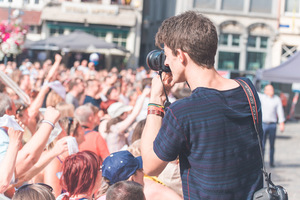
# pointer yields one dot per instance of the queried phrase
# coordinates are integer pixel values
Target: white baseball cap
(117, 109)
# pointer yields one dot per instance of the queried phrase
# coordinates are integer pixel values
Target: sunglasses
(42, 184)
(20, 109)
(70, 122)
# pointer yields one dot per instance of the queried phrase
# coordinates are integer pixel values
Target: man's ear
(181, 56)
(91, 118)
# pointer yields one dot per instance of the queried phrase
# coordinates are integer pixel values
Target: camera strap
(167, 103)
(253, 108)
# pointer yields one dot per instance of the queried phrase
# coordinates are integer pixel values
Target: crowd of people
(71, 111)
(84, 134)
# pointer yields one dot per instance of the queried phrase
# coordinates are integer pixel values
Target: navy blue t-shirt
(213, 134)
(95, 102)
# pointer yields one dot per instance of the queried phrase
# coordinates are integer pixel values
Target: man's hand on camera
(157, 92)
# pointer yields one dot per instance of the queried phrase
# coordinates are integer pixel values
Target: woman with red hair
(81, 176)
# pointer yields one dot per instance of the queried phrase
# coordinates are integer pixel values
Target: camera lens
(154, 60)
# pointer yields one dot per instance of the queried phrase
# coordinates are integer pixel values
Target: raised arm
(50, 76)
(135, 112)
(34, 107)
(60, 147)
(32, 151)
(7, 165)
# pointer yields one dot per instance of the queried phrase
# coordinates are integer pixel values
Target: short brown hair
(192, 33)
(74, 82)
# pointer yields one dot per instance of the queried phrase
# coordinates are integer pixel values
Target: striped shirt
(213, 134)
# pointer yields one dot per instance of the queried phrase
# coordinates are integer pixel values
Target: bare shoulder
(154, 190)
(232, 83)
(54, 165)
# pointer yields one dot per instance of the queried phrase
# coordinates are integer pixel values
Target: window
(223, 39)
(261, 6)
(52, 31)
(61, 31)
(100, 34)
(228, 60)
(292, 6)
(56, 31)
(36, 1)
(232, 5)
(31, 29)
(256, 52)
(120, 39)
(39, 29)
(210, 4)
(229, 39)
(287, 51)
(255, 60)
(252, 41)
(258, 42)
(235, 40)
(229, 51)
(263, 42)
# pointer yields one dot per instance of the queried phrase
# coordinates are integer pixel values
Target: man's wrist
(48, 122)
(157, 100)
(14, 143)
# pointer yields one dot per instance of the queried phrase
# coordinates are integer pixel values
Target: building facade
(253, 34)
(154, 12)
(116, 22)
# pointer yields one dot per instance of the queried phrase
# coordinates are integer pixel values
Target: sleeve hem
(160, 156)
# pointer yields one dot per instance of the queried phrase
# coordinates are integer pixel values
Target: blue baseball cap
(119, 166)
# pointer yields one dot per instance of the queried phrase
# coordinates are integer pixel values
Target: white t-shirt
(4, 142)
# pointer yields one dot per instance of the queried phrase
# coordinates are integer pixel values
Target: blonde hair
(33, 192)
(53, 99)
(135, 148)
(70, 125)
(65, 109)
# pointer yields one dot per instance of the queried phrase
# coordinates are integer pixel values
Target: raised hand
(60, 146)
(51, 114)
(15, 136)
(58, 57)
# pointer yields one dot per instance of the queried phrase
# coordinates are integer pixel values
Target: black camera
(156, 59)
(276, 192)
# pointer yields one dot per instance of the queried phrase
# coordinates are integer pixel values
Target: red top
(94, 142)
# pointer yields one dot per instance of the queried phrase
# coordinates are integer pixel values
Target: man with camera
(212, 130)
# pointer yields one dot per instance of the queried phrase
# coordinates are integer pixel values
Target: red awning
(30, 17)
